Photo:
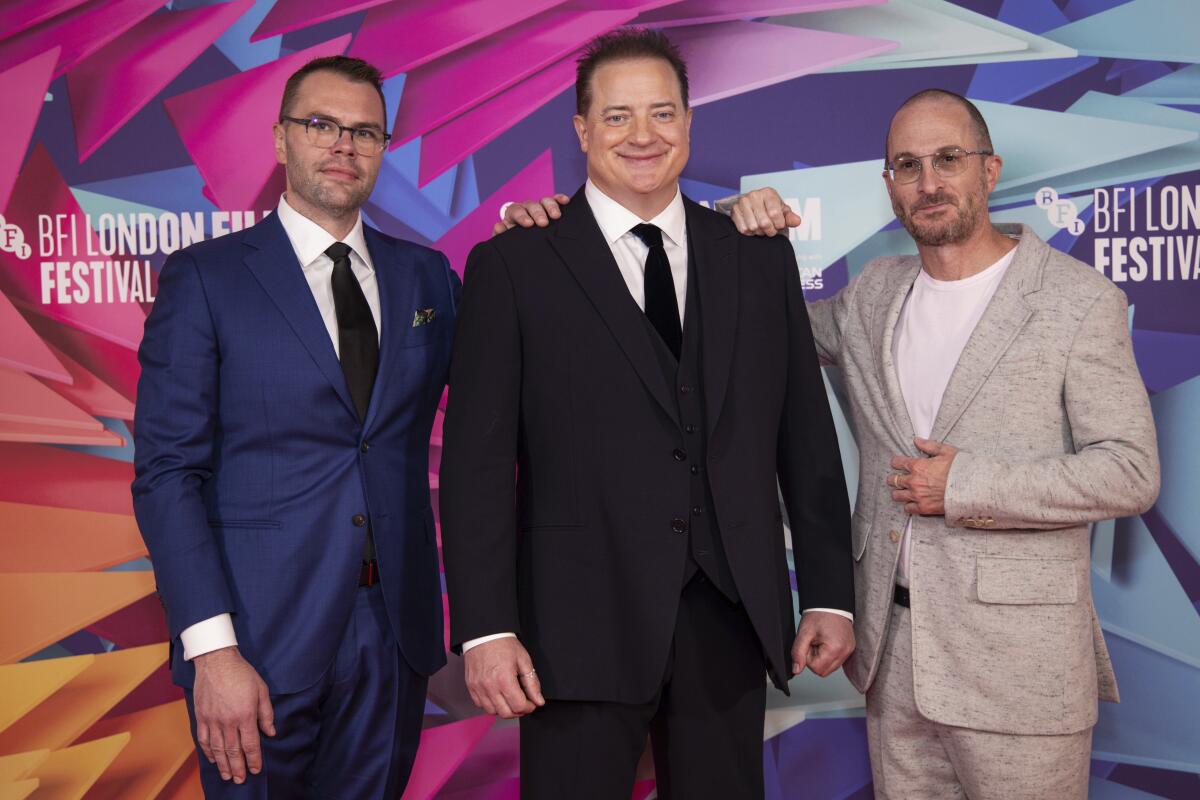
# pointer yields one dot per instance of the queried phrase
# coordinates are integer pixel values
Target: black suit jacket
(560, 475)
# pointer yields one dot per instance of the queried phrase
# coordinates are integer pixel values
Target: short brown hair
(354, 69)
(622, 45)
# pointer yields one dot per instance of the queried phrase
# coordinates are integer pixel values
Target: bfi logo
(1062, 213)
(12, 239)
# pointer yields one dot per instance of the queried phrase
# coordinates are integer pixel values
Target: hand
(823, 642)
(762, 212)
(529, 213)
(232, 703)
(920, 483)
(501, 678)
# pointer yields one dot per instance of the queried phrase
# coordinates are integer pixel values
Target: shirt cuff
(485, 639)
(837, 611)
(208, 635)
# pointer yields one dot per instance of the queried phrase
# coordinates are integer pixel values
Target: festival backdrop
(132, 128)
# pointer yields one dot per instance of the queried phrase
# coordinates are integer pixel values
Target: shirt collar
(615, 220)
(310, 240)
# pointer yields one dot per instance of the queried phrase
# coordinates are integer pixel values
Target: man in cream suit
(998, 411)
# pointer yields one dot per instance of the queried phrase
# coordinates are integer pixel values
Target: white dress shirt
(309, 241)
(616, 224)
(935, 322)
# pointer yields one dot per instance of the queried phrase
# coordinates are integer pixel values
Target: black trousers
(705, 723)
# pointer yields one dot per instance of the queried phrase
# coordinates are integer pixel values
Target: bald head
(933, 101)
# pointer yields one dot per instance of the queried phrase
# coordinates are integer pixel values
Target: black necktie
(662, 307)
(358, 343)
(358, 339)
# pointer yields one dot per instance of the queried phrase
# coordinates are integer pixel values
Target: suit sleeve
(828, 318)
(1114, 471)
(175, 423)
(810, 467)
(479, 454)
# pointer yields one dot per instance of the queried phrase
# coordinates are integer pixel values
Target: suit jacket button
(680, 455)
(695, 470)
(678, 525)
(359, 520)
(894, 536)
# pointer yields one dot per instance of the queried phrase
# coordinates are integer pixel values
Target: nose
(643, 131)
(344, 144)
(929, 181)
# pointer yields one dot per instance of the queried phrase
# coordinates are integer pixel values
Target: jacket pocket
(860, 532)
(1026, 581)
(258, 524)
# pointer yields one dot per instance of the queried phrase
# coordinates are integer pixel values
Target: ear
(278, 131)
(687, 122)
(581, 131)
(891, 189)
(992, 165)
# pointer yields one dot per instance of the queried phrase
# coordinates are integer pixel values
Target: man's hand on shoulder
(501, 678)
(530, 213)
(761, 212)
(232, 704)
(823, 642)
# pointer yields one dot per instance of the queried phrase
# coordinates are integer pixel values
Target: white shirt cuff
(837, 611)
(485, 639)
(208, 635)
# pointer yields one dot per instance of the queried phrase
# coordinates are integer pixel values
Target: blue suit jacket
(251, 464)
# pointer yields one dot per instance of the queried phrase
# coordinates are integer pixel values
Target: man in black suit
(627, 388)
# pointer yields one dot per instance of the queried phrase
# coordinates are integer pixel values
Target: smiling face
(937, 210)
(329, 182)
(635, 133)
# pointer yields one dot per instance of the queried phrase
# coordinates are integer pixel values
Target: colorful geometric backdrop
(133, 127)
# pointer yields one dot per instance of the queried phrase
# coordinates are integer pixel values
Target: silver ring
(529, 674)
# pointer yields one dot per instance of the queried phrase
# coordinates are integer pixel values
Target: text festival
(1153, 236)
(81, 257)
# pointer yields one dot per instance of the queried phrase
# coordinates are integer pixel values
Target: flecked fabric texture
(912, 757)
(1054, 431)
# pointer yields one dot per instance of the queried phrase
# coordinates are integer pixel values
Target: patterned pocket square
(423, 316)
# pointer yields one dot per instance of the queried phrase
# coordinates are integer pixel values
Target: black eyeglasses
(948, 162)
(324, 132)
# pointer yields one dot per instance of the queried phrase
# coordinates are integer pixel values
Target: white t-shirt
(935, 323)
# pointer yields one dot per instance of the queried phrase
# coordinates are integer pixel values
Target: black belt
(369, 575)
(900, 595)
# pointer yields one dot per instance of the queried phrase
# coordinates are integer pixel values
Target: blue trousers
(353, 734)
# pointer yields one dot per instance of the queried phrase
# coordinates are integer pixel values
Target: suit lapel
(1003, 319)
(714, 251)
(580, 244)
(273, 263)
(884, 316)
(396, 289)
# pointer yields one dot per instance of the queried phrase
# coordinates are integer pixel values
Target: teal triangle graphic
(1175, 410)
(1180, 88)
(1152, 30)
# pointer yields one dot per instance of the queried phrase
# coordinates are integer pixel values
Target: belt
(369, 575)
(900, 596)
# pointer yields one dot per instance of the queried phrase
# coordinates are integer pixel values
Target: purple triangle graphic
(115, 82)
(22, 14)
(226, 126)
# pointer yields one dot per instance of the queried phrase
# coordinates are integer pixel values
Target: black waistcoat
(705, 552)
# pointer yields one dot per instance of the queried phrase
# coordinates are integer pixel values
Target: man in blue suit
(290, 377)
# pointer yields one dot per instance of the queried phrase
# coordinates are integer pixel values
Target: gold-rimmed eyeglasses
(948, 162)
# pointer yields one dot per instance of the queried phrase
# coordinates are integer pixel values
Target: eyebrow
(659, 104)
(332, 118)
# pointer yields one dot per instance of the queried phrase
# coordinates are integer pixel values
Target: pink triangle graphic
(441, 752)
(89, 392)
(21, 348)
(291, 15)
(24, 91)
(22, 14)
(79, 31)
(226, 126)
(114, 83)
(535, 180)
